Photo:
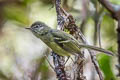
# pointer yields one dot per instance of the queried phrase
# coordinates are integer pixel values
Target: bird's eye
(36, 26)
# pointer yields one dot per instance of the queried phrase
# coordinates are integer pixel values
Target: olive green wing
(66, 41)
(61, 34)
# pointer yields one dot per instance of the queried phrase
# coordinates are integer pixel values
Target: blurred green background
(22, 54)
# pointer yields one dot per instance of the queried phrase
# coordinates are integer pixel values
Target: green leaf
(106, 66)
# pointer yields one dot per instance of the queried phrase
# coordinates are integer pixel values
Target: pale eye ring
(36, 26)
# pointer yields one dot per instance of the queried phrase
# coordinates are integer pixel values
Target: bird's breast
(57, 49)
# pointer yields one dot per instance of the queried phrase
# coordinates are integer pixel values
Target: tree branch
(65, 20)
(113, 9)
(107, 5)
(59, 67)
(57, 59)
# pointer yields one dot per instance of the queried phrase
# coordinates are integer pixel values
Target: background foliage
(22, 54)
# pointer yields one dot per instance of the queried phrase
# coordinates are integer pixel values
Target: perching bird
(59, 41)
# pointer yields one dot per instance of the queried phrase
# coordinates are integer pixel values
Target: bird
(60, 42)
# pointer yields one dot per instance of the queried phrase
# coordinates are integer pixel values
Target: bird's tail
(96, 49)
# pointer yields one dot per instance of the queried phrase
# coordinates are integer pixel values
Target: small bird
(59, 41)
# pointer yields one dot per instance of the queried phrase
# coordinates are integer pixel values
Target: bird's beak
(28, 28)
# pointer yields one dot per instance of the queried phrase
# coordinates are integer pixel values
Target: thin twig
(97, 34)
(98, 29)
(49, 63)
(67, 60)
(93, 58)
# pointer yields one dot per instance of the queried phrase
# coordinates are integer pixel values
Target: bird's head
(37, 27)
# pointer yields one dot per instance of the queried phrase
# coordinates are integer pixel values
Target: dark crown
(38, 24)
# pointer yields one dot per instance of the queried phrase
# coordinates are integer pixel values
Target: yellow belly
(57, 49)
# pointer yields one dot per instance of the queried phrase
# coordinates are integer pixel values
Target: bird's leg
(67, 60)
(49, 62)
